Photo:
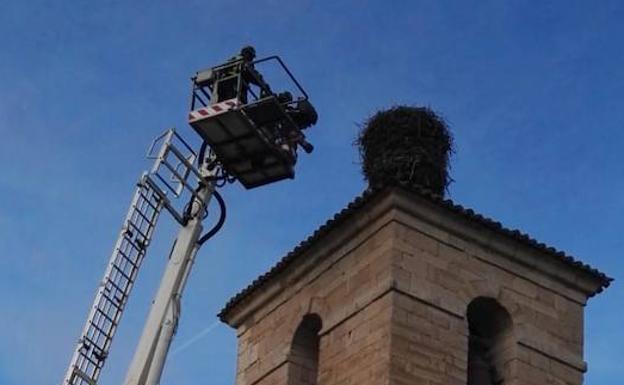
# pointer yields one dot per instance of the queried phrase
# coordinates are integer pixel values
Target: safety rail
(203, 98)
(175, 164)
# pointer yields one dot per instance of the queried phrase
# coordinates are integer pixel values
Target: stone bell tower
(403, 287)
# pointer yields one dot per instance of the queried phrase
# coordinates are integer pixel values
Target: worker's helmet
(248, 53)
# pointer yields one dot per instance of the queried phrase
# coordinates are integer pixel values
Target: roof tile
(367, 196)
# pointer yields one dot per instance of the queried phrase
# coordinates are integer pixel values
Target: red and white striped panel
(213, 109)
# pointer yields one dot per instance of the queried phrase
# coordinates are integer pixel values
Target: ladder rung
(135, 246)
(147, 200)
(112, 321)
(90, 360)
(116, 296)
(99, 329)
(94, 345)
(96, 334)
(126, 276)
(115, 286)
(125, 257)
(112, 303)
(135, 261)
(138, 230)
(138, 211)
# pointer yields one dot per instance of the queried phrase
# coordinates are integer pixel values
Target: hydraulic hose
(218, 197)
(202, 153)
(219, 224)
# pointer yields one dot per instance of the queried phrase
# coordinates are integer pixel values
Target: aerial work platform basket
(250, 134)
(254, 131)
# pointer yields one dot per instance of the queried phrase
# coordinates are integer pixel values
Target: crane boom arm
(151, 352)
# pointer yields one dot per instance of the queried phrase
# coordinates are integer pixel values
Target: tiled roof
(447, 204)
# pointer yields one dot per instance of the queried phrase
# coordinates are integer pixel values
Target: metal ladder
(151, 195)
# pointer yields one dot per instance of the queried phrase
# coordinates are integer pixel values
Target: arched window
(304, 352)
(490, 343)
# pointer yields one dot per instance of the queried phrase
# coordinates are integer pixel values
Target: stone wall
(345, 282)
(439, 268)
(392, 286)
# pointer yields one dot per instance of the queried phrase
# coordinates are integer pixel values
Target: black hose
(218, 197)
(202, 154)
(219, 224)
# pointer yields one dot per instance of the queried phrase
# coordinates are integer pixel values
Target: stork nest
(408, 146)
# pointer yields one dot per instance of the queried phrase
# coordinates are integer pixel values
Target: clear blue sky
(532, 90)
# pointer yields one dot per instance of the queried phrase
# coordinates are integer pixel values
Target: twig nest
(408, 146)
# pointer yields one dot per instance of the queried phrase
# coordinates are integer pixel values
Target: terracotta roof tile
(368, 196)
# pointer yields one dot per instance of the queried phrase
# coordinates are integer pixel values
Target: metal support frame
(149, 359)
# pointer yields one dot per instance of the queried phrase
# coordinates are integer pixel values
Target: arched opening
(490, 342)
(304, 352)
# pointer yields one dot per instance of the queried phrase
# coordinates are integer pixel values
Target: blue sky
(532, 90)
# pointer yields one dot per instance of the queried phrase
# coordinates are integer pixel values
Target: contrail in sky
(195, 338)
